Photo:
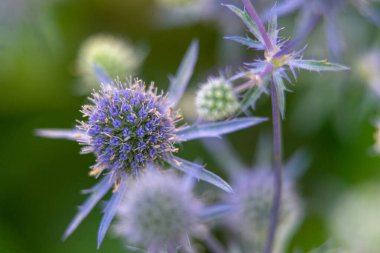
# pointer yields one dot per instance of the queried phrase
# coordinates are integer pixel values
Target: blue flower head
(130, 127)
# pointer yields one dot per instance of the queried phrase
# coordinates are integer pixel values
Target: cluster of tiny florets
(158, 211)
(128, 125)
(117, 57)
(216, 100)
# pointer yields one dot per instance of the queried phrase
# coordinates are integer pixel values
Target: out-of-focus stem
(255, 17)
(277, 168)
(213, 244)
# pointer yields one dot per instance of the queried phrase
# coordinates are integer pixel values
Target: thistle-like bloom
(251, 204)
(117, 57)
(130, 127)
(158, 212)
(279, 59)
(251, 208)
(216, 100)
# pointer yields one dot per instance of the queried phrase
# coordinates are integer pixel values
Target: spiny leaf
(198, 171)
(315, 65)
(185, 71)
(244, 16)
(246, 42)
(216, 129)
(97, 193)
(110, 211)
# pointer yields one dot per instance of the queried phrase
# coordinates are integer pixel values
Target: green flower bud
(216, 100)
(117, 57)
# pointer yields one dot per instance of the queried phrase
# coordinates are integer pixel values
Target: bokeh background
(332, 116)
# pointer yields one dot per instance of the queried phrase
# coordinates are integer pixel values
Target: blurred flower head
(252, 203)
(354, 220)
(368, 69)
(117, 57)
(158, 212)
(216, 100)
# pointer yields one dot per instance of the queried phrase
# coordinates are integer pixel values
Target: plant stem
(277, 168)
(255, 17)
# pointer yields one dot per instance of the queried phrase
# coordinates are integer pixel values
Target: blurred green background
(332, 115)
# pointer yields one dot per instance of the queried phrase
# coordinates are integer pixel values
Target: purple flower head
(133, 122)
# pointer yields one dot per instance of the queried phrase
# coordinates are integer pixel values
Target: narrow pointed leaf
(198, 171)
(216, 211)
(280, 88)
(314, 65)
(246, 41)
(297, 164)
(244, 16)
(179, 83)
(224, 155)
(69, 134)
(272, 29)
(216, 129)
(283, 8)
(97, 193)
(110, 211)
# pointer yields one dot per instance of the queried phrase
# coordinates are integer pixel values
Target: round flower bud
(252, 204)
(216, 100)
(117, 57)
(158, 212)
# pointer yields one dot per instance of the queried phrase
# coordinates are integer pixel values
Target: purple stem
(255, 17)
(277, 168)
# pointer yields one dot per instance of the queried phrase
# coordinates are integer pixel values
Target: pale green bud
(216, 100)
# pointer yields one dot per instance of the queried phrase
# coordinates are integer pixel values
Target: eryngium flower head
(252, 204)
(216, 100)
(114, 55)
(128, 125)
(158, 212)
